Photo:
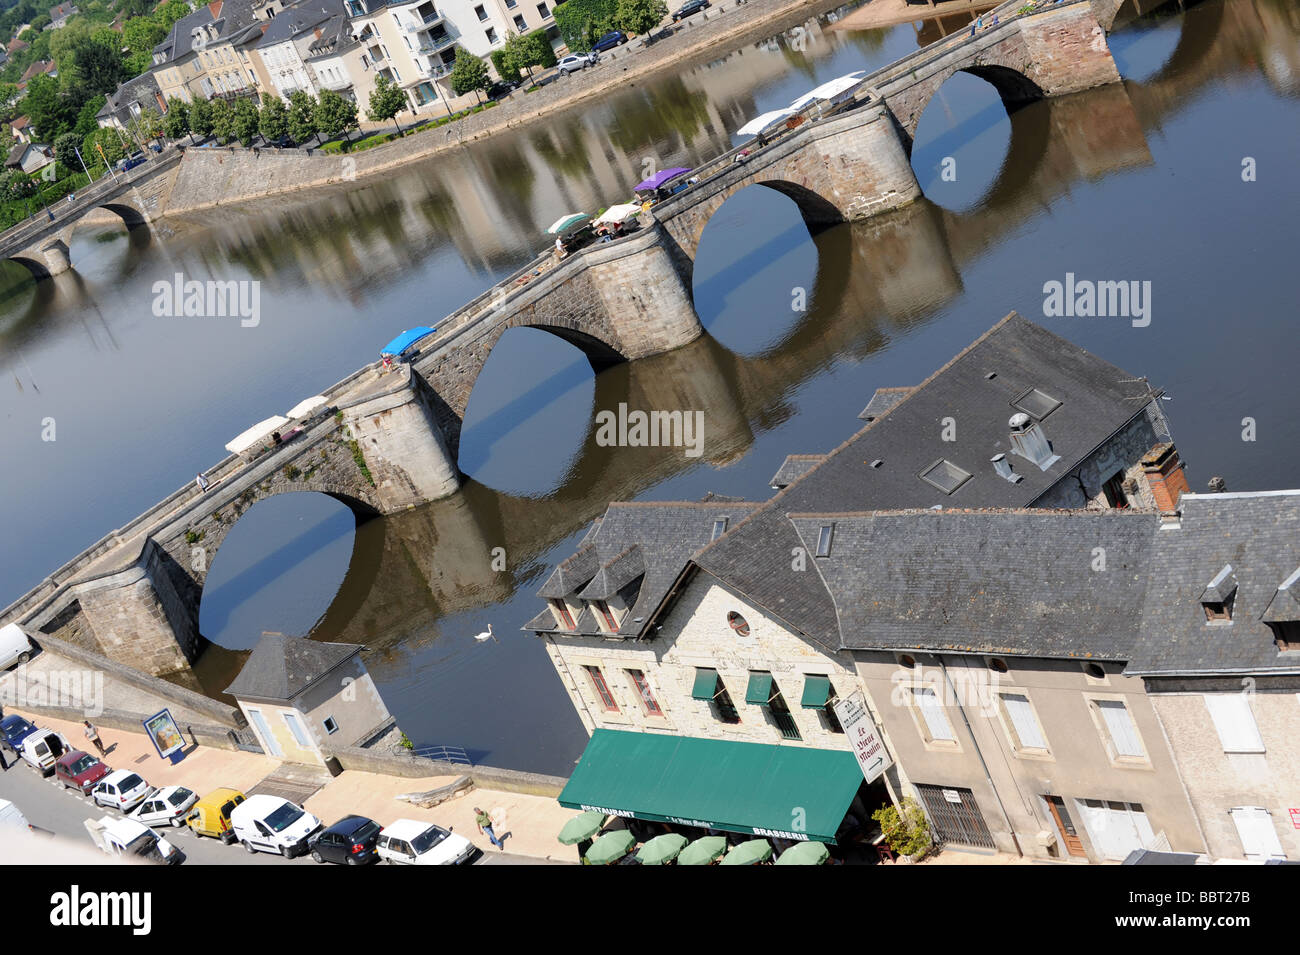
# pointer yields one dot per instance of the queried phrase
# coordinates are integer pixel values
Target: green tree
(41, 22)
(201, 118)
(86, 121)
(506, 61)
(65, 150)
(469, 74)
(386, 101)
(16, 184)
(639, 16)
(335, 114)
(107, 140)
(536, 49)
(146, 126)
(169, 12)
(140, 35)
(302, 116)
(177, 121)
(49, 112)
(223, 121)
(246, 121)
(89, 58)
(906, 830)
(275, 118)
(581, 21)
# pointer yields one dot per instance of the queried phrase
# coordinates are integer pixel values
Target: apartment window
(1234, 722)
(763, 691)
(824, 536)
(607, 615)
(562, 616)
(520, 23)
(937, 727)
(543, 12)
(1121, 730)
(1255, 829)
(491, 35)
(511, 4)
(331, 725)
(480, 12)
(408, 42)
(1026, 734)
(598, 684)
(648, 700)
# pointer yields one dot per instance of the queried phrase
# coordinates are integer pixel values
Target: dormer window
(606, 615)
(824, 540)
(1286, 635)
(563, 618)
(1218, 596)
(719, 528)
(1216, 611)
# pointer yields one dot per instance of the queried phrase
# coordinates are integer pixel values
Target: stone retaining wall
(414, 767)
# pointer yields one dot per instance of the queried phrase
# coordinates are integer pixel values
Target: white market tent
(760, 123)
(619, 212)
(256, 433)
(305, 407)
(831, 89)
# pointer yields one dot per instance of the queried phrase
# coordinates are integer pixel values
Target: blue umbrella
(405, 340)
(659, 178)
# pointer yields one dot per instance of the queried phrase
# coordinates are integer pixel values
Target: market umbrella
(568, 223)
(661, 849)
(749, 853)
(581, 828)
(258, 432)
(619, 212)
(759, 123)
(405, 340)
(611, 847)
(831, 89)
(702, 851)
(805, 853)
(659, 178)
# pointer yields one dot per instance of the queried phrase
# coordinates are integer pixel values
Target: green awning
(760, 688)
(715, 784)
(816, 691)
(706, 684)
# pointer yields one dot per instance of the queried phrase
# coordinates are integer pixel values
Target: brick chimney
(1165, 478)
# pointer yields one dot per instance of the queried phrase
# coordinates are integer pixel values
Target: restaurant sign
(863, 736)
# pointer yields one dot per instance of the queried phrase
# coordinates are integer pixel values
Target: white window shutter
(1258, 837)
(1234, 722)
(935, 719)
(1119, 724)
(1022, 720)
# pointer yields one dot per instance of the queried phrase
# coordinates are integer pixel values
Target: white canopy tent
(619, 212)
(256, 433)
(759, 123)
(839, 87)
(305, 407)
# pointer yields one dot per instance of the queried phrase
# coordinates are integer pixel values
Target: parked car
(284, 142)
(266, 823)
(501, 88)
(165, 807)
(121, 789)
(130, 162)
(407, 842)
(610, 40)
(79, 771)
(577, 61)
(43, 748)
(350, 841)
(210, 815)
(14, 646)
(118, 836)
(689, 8)
(13, 730)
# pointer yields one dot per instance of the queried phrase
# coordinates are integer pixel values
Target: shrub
(908, 831)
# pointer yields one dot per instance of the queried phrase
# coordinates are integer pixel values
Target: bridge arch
(131, 217)
(37, 267)
(1013, 87)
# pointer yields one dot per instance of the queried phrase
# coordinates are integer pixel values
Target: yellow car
(211, 814)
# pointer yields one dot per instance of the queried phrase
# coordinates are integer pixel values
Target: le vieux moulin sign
(863, 736)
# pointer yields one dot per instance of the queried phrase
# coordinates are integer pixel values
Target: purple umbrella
(659, 178)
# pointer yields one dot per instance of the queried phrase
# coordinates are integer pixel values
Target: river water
(107, 408)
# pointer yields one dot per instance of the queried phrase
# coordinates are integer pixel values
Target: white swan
(486, 635)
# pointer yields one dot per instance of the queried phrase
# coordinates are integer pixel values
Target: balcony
(422, 19)
(430, 44)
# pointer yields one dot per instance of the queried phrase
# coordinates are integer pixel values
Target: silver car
(578, 61)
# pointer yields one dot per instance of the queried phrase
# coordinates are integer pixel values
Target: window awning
(706, 684)
(760, 688)
(816, 691)
(714, 784)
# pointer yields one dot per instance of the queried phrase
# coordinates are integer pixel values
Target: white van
(14, 646)
(11, 815)
(268, 823)
(126, 837)
(43, 748)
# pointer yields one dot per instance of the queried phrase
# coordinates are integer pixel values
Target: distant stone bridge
(386, 441)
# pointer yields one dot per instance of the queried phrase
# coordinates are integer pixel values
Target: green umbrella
(661, 849)
(805, 853)
(581, 828)
(749, 853)
(702, 851)
(567, 223)
(610, 847)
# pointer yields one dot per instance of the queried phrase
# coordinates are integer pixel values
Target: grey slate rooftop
(281, 667)
(882, 401)
(299, 22)
(1259, 535)
(793, 468)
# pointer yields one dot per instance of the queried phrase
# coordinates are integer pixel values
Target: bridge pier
(56, 256)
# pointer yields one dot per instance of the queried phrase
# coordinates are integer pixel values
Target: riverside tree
(335, 114)
(302, 116)
(639, 16)
(177, 121)
(246, 122)
(274, 121)
(469, 74)
(386, 101)
(223, 121)
(201, 118)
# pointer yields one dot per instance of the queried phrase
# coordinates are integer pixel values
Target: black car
(501, 89)
(690, 7)
(610, 40)
(350, 841)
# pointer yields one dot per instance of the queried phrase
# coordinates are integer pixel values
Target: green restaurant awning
(715, 784)
(760, 688)
(706, 684)
(816, 691)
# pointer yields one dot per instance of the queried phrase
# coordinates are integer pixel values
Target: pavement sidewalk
(527, 824)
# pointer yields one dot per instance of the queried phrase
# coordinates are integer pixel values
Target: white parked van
(130, 839)
(268, 823)
(43, 748)
(14, 646)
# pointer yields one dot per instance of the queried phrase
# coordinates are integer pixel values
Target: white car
(266, 823)
(43, 748)
(407, 842)
(14, 646)
(166, 807)
(117, 836)
(121, 789)
(577, 61)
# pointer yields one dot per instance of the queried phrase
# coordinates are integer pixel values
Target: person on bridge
(202, 482)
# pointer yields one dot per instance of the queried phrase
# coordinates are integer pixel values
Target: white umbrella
(831, 89)
(564, 223)
(619, 213)
(760, 123)
(256, 433)
(305, 407)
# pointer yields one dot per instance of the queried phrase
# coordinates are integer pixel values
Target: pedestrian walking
(484, 823)
(92, 734)
(202, 482)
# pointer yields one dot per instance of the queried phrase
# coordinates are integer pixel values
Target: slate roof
(793, 468)
(1259, 535)
(292, 23)
(977, 389)
(141, 89)
(882, 401)
(16, 154)
(987, 581)
(659, 536)
(179, 42)
(281, 667)
(335, 36)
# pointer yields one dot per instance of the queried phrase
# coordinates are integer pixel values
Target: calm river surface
(1139, 181)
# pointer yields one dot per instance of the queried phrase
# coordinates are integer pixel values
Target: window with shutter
(936, 721)
(1119, 725)
(1258, 837)
(1020, 713)
(1234, 722)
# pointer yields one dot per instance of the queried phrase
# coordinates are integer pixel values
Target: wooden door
(1065, 826)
